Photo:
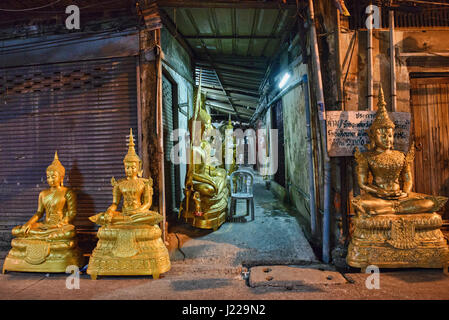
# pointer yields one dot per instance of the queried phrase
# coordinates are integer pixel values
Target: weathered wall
(295, 144)
(406, 41)
(178, 64)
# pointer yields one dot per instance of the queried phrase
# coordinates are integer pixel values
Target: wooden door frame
(423, 75)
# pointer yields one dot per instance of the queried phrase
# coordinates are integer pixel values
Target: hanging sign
(347, 130)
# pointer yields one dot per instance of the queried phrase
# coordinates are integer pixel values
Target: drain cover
(285, 276)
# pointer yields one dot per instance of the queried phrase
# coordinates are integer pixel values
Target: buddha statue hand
(389, 194)
(25, 229)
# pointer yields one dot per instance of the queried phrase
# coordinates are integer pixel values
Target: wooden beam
(233, 67)
(237, 37)
(166, 21)
(226, 4)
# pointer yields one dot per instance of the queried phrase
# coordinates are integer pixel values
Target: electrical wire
(426, 2)
(30, 9)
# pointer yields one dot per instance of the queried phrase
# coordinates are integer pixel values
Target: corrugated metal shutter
(167, 118)
(82, 109)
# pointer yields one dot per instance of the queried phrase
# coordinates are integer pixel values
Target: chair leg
(247, 207)
(233, 207)
(252, 209)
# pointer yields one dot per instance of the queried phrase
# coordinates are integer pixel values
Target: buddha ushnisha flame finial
(56, 165)
(131, 156)
(382, 119)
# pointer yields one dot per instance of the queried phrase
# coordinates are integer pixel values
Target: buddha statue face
(132, 169)
(383, 138)
(54, 178)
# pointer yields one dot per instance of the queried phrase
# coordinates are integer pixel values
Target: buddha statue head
(381, 132)
(132, 162)
(55, 172)
(203, 126)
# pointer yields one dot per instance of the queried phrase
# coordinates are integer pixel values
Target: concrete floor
(219, 265)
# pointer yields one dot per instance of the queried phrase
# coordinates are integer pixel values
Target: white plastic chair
(241, 183)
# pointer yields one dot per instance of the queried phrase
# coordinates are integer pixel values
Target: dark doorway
(170, 123)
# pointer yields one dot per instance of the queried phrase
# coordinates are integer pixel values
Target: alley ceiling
(232, 44)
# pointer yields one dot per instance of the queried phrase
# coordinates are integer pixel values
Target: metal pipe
(160, 133)
(312, 196)
(370, 64)
(392, 62)
(322, 119)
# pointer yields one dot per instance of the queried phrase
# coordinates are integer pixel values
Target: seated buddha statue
(205, 178)
(393, 227)
(49, 245)
(228, 147)
(130, 240)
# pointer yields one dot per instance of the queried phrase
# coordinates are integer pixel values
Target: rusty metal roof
(232, 47)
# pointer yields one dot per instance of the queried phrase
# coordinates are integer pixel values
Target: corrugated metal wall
(168, 119)
(84, 110)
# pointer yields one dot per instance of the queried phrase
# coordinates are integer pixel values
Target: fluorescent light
(284, 80)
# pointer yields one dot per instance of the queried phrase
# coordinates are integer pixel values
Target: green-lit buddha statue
(393, 227)
(204, 177)
(228, 147)
(130, 240)
(49, 245)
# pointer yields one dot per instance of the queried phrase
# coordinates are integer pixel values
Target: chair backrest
(241, 182)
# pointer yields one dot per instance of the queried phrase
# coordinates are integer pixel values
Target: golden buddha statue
(130, 240)
(229, 144)
(394, 227)
(50, 245)
(204, 177)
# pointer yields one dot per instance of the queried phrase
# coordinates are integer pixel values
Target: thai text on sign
(347, 130)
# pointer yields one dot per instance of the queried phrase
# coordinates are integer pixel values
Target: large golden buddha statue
(130, 240)
(50, 245)
(204, 180)
(393, 227)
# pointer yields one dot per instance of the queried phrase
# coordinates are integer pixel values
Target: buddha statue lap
(393, 227)
(50, 245)
(130, 240)
(204, 177)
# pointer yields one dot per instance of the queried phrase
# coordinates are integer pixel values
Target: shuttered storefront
(82, 109)
(168, 125)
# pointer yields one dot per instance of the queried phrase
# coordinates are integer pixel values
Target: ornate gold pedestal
(398, 241)
(33, 255)
(129, 250)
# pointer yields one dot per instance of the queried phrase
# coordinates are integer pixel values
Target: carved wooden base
(398, 241)
(36, 255)
(129, 250)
